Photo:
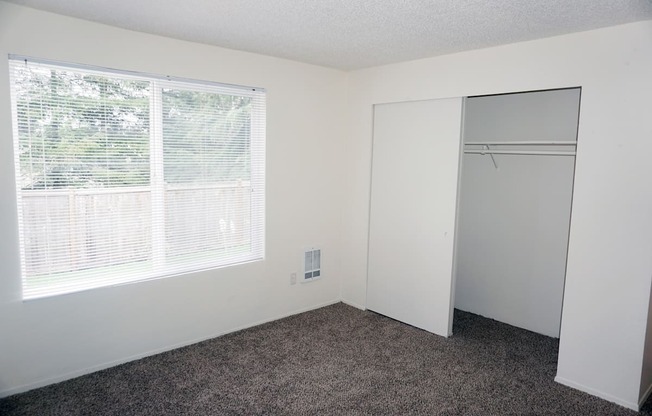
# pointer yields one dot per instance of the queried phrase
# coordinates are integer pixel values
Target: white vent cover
(311, 264)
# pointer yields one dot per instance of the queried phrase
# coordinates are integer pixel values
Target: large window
(123, 177)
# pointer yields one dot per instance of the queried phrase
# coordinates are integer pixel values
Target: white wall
(514, 220)
(51, 339)
(646, 375)
(609, 263)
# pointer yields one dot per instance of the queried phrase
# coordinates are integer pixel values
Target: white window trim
(156, 187)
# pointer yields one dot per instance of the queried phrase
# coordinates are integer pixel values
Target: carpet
(336, 360)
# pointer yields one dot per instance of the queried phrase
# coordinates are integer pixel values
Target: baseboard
(353, 304)
(77, 373)
(630, 405)
(644, 397)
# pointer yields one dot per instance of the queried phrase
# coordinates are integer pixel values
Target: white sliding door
(412, 215)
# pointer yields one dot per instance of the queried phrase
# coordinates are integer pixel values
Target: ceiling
(353, 34)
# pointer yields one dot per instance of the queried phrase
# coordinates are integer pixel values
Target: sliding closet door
(412, 214)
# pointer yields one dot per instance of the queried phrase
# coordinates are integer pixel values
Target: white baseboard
(355, 305)
(644, 397)
(77, 373)
(630, 405)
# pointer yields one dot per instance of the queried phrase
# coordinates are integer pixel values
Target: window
(123, 177)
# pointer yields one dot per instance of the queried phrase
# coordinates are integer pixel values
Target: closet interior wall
(513, 219)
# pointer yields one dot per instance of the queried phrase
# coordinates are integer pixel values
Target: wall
(646, 374)
(514, 220)
(52, 339)
(609, 264)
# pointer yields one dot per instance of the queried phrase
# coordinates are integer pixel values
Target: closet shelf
(520, 152)
(520, 143)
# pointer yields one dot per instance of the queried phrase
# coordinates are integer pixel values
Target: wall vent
(311, 264)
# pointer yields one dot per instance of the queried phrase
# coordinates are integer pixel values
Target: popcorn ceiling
(353, 34)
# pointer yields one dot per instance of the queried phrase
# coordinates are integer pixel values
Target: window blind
(123, 177)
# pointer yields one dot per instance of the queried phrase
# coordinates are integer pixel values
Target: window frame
(257, 162)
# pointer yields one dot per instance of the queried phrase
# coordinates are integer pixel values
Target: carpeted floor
(336, 360)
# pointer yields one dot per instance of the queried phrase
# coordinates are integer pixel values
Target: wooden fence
(69, 230)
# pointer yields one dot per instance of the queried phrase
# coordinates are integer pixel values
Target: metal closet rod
(519, 143)
(520, 152)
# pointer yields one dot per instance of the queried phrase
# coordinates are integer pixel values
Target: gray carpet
(335, 360)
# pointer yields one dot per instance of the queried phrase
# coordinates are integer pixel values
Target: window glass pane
(83, 146)
(206, 150)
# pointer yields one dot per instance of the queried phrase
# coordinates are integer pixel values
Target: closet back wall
(514, 220)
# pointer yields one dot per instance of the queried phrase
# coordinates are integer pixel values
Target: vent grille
(311, 264)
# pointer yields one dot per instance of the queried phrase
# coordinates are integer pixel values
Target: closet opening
(514, 208)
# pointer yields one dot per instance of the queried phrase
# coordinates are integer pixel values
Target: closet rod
(520, 152)
(535, 143)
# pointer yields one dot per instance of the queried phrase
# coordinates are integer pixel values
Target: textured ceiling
(352, 34)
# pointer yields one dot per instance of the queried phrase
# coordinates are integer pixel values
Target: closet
(470, 208)
(514, 207)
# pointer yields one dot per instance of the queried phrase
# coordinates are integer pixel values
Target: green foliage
(79, 130)
(205, 136)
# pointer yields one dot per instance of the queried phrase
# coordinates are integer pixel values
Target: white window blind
(123, 177)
